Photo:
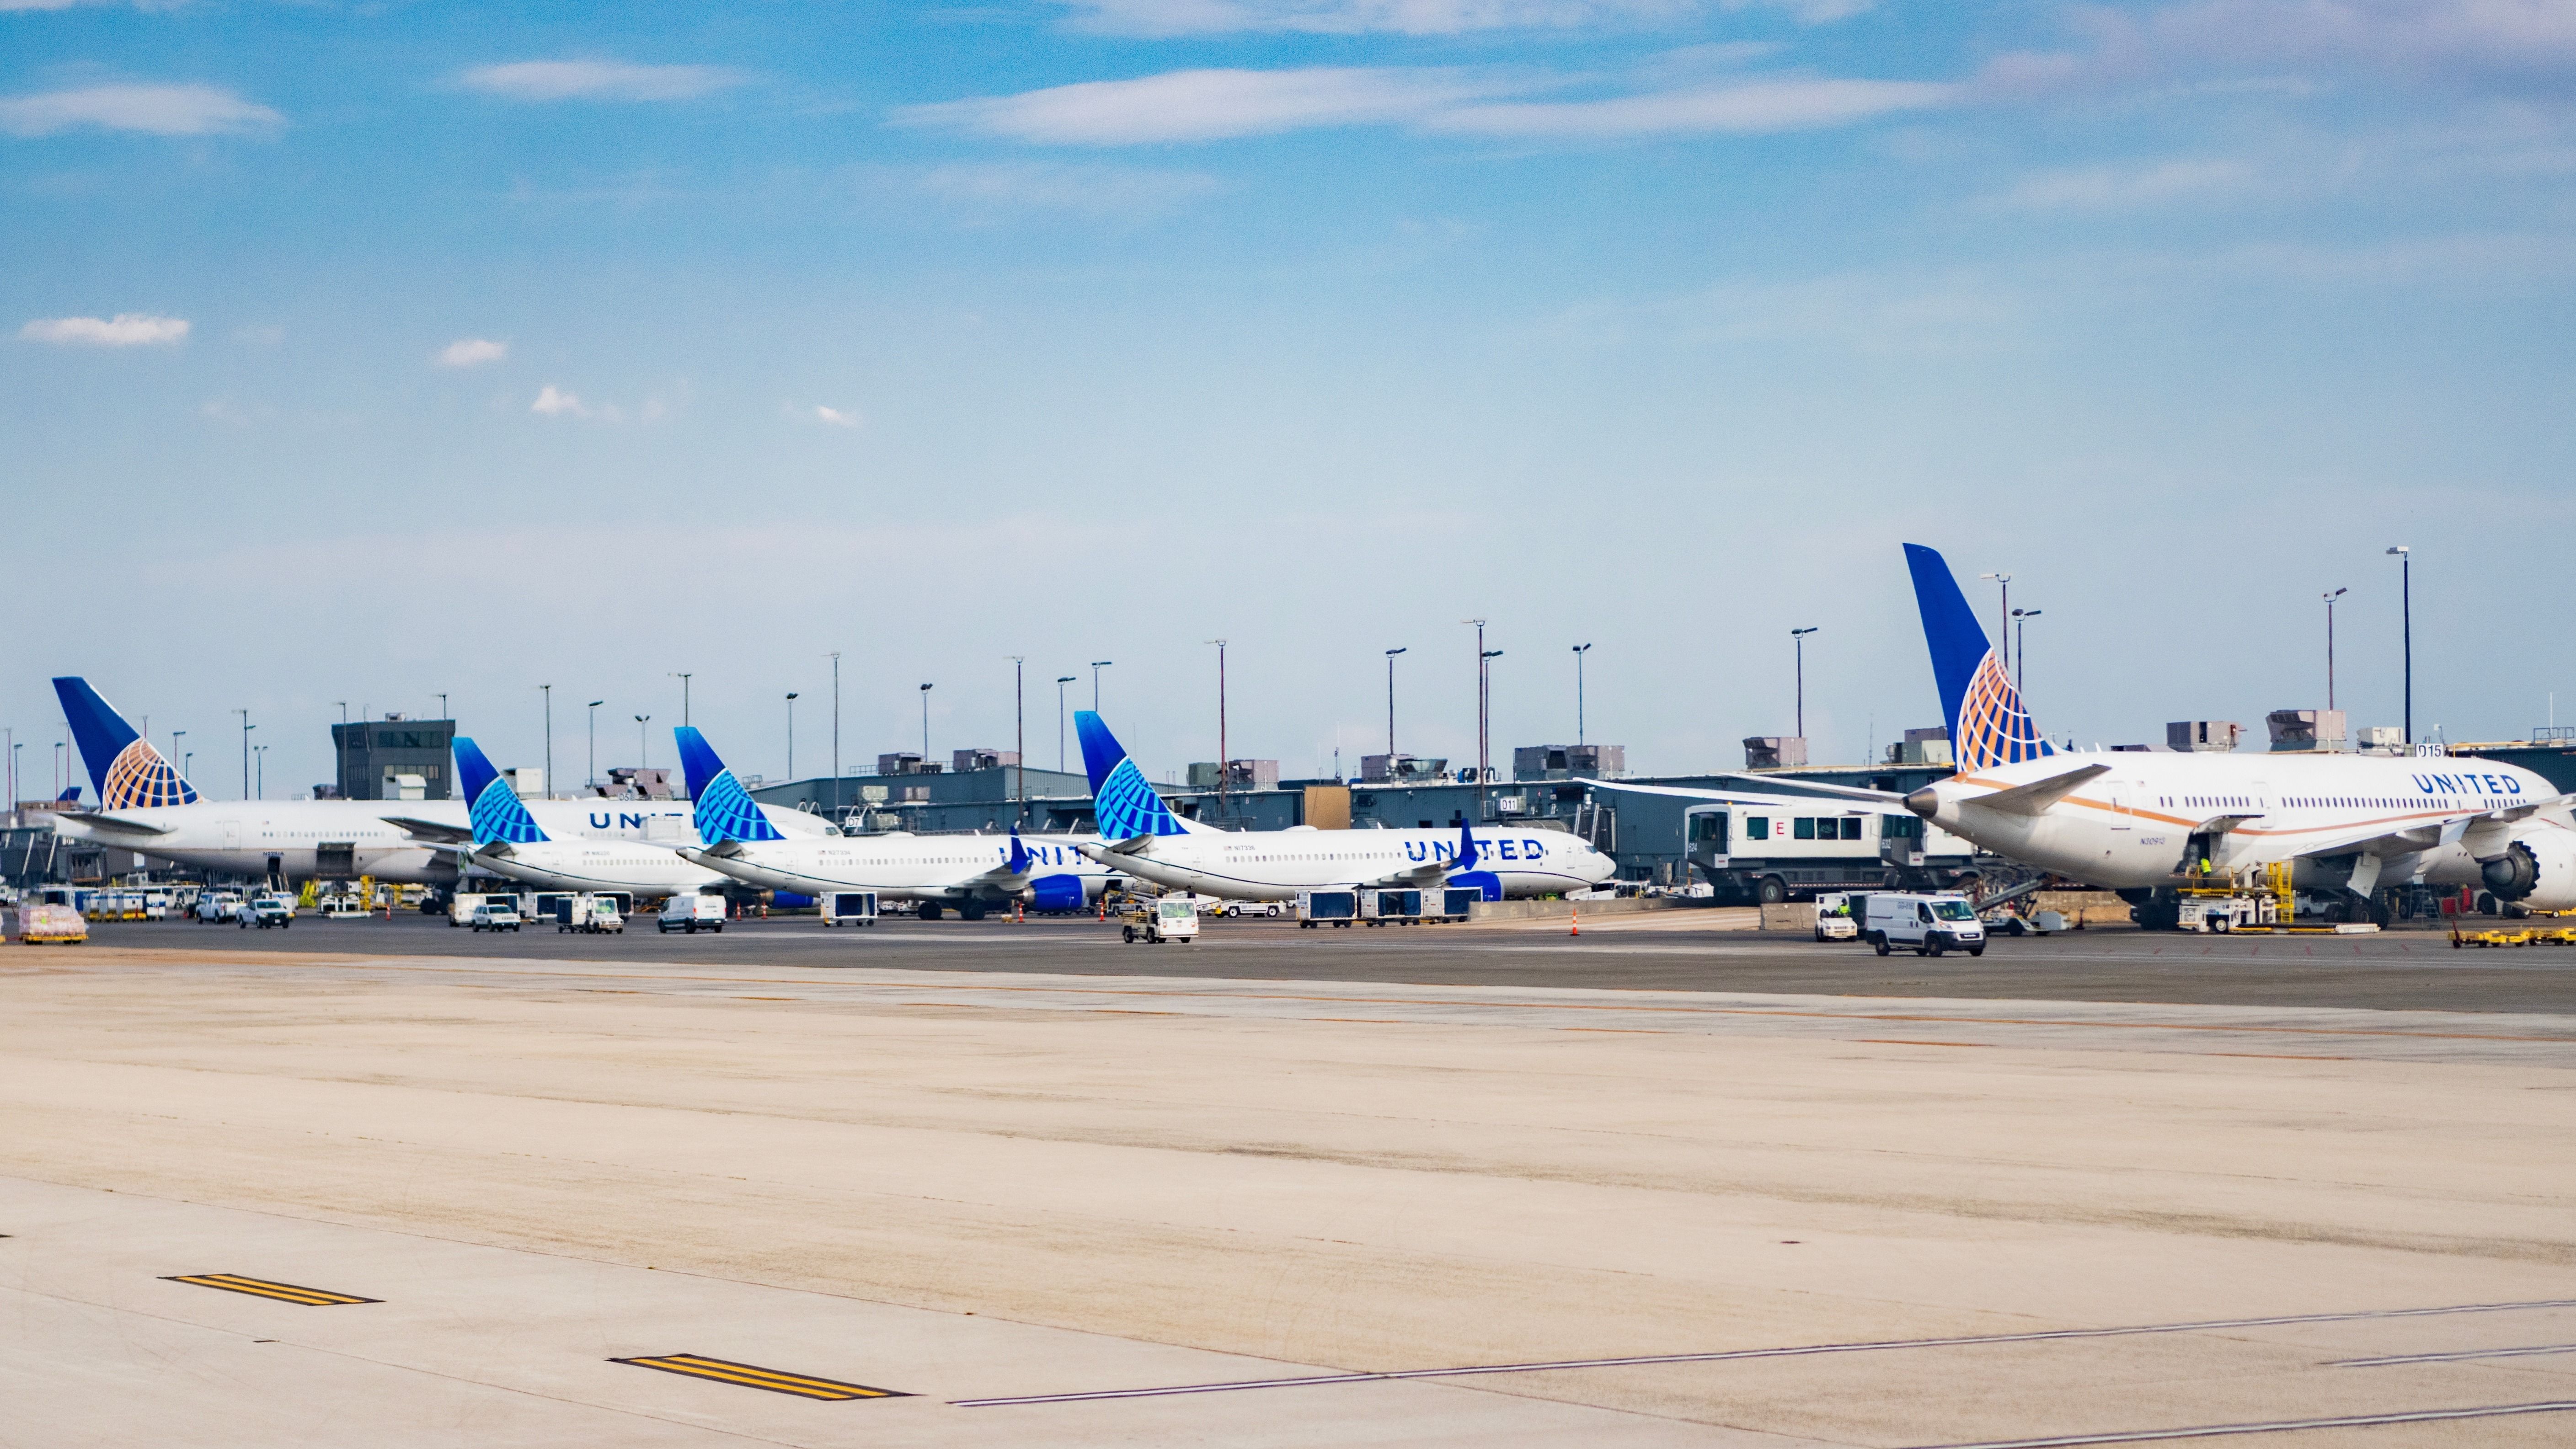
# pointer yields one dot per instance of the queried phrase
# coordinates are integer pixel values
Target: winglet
(1988, 725)
(1122, 803)
(1018, 861)
(725, 810)
(128, 772)
(497, 812)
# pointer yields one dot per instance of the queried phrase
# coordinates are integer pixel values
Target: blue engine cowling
(789, 900)
(1056, 893)
(1484, 881)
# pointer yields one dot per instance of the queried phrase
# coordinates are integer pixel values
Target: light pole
(2330, 603)
(593, 781)
(1223, 799)
(1798, 637)
(549, 691)
(175, 737)
(2021, 638)
(247, 727)
(184, 761)
(642, 752)
(1481, 656)
(2406, 606)
(344, 710)
(925, 727)
(836, 730)
(260, 753)
(2003, 611)
(791, 734)
(1390, 710)
(442, 708)
(1019, 731)
(1097, 665)
(58, 770)
(1579, 651)
(1061, 681)
(684, 695)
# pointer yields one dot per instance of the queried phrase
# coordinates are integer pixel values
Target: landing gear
(970, 909)
(930, 910)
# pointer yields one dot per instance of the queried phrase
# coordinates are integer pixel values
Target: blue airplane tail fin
(725, 811)
(1121, 801)
(495, 810)
(1988, 725)
(128, 772)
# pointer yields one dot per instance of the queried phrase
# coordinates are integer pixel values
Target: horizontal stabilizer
(96, 821)
(2035, 797)
(430, 831)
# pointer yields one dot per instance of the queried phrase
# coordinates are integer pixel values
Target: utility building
(374, 752)
(1569, 762)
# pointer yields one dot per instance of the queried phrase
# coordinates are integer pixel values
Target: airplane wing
(431, 832)
(97, 821)
(1777, 802)
(2376, 838)
(2035, 797)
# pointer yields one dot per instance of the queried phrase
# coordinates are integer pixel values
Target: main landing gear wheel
(930, 910)
(970, 910)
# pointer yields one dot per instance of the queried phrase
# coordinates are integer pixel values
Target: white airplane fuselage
(904, 867)
(241, 836)
(2133, 826)
(640, 868)
(1275, 865)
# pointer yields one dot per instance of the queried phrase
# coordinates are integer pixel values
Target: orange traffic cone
(1577, 916)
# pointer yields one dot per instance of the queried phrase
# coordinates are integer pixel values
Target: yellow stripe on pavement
(262, 1288)
(752, 1376)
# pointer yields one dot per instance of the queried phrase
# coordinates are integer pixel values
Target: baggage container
(850, 908)
(1320, 908)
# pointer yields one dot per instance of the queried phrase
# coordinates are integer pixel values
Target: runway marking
(803, 1386)
(2277, 1426)
(2454, 1357)
(262, 1288)
(1900, 1041)
(2052, 1335)
(1070, 989)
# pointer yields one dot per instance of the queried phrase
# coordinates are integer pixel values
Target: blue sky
(369, 352)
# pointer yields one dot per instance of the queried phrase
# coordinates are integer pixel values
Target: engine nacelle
(1056, 893)
(2538, 871)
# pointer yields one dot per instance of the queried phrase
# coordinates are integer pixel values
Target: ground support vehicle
(590, 915)
(42, 925)
(461, 906)
(1834, 918)
(691, 913)
(1765, 855)
(850, 908)
(269, 908)
(1327, 908)
(500, 913)
(1173, 919)
(1930, 923)
(1402, 906)
(216, 907)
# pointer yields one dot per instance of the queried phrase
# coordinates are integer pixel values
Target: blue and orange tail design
(129, 773)
(1121, 801)
(495, 810)
(725, 810)
(1988, 725)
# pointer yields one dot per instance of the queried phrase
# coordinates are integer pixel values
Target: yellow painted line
(777, 1381)
(262, 1288)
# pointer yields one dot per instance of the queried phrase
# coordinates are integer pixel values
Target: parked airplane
(144, 806)
(503, 837)
(2147, 822)
(972, 874)
(1139, 834)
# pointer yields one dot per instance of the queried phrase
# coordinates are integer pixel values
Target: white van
(1931, 924)
(692, 913)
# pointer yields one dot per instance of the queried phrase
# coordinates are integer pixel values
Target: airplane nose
(1923, 802)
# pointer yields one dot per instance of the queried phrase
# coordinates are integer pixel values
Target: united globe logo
(141, 780)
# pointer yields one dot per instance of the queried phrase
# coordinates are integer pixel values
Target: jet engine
(1056, 893)
(2537, 871)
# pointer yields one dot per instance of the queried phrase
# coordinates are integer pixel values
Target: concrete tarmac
(1059, 1190)
(1698, 950)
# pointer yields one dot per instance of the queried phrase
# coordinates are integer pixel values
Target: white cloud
(473, 352)
(834, 417)
(599, 80)
(125, 329)
(1749, 107)
(554, 402)
(2466, 42)
(2117, 188)
(1358, 17)
(1200, 105)
(182, 110)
